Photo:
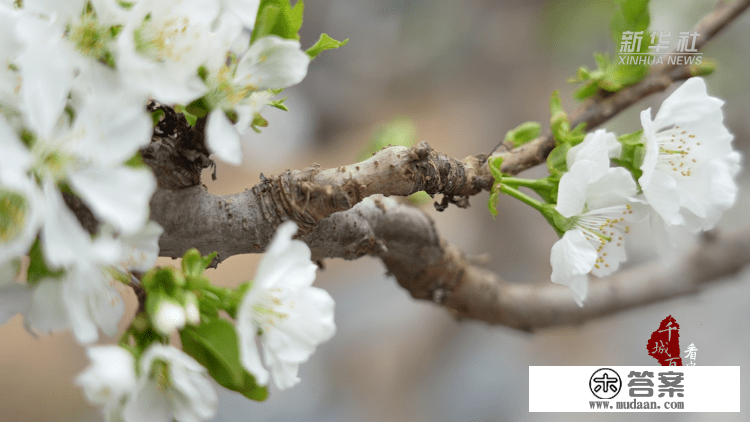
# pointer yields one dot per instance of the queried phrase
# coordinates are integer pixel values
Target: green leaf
(492, 203)
(582, 75)
(555, 219)
(602, 61)
(294, 17)
(136, 161)
(38, 268)
(557, 163)
(577, 134)
(631, 138)
(278, 17)
(279, 104)
(495, 164)
(633, 152)
(259, 121)
(586, 91)
(214, 345)
(268, 14)
(705, 68)
(166, 279)
(198, 108)
(215, 342)
(559, 119)
(191, 118)
(324, 43)
(639, 153)
(632, 16)
(419, 198)
(156, 116)
(523, 133)
(203, 73)
(623, 75)
(252, 390)
(193, 264)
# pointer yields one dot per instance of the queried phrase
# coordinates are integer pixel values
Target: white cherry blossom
(109, 380)
(88, 297)
(597, 200)
(291, 316)
(164, 43)
(689, 165)
(109, 128)
(171, 386)
(270, 63)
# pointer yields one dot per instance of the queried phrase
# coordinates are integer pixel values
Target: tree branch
(432, 269)
(245, 222)
(604, 105)
(328, 206)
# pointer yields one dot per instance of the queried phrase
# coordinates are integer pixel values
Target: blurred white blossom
(109, 380)
(171, 386)
(290, 315)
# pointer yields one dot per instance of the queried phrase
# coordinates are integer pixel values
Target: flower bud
(192, 313)
(169, 316)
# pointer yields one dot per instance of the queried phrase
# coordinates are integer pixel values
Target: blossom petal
(189, 395)
(687, 103)
(571, 196)
(579, 288)
(14, 299)
(112, 120)
(223, 139)
(286, 262)
(117, 195)
(47, 311)
(47, 68)
(200, 396)
(652, 149)
(295, 338)
(615, 187)
(596, 147)
(663, 197)
(572, 257)
(249, 354)
(147, 404)
(16, 158)
(611, 255)
(90, 302)
(273, 62)
(246, 10)
(63, 238)
(141, 249)
(110, 377)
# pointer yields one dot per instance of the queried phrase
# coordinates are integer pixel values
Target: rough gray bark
(328, 206)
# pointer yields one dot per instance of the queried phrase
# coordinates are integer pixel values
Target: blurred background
(465, 73)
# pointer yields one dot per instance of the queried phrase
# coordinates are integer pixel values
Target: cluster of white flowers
(75, 78)
(74, 81)
(687, 182)
(281, 307)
